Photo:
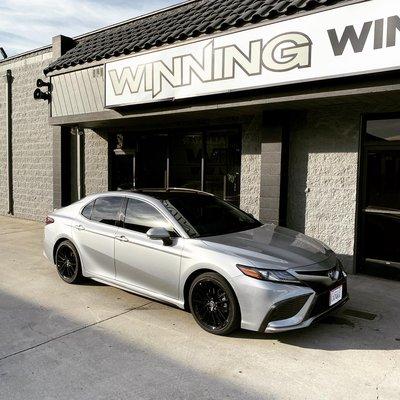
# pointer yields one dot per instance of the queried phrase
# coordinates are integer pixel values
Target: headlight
(272, 275)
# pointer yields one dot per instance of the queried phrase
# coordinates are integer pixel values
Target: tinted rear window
(87, 210)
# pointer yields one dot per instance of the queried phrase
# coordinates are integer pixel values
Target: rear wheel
(68, 262)
(213, 304)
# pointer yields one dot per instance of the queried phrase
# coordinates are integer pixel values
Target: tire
(68, 263)
(213, 304)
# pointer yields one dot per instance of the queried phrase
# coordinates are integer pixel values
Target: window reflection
(141, 216)
(185, 156)
(106, 210)
(383, 130)
(208, 160)
(222, 166)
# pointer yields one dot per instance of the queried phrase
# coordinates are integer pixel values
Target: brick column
(251, 165)
(273, 171)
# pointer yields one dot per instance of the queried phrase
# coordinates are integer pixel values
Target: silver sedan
(193, 250)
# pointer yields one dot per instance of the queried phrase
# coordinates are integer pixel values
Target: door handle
(382, 211)
(122, 238)
(80, 227)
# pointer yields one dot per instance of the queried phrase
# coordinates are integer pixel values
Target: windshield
(202, 215)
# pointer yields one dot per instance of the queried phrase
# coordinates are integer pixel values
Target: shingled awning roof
(187, 20)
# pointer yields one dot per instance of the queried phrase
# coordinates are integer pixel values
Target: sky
(28, 24)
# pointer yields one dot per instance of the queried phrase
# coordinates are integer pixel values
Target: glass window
(107, 210)
(383, 179)
(383, 130)
(186, 153)
(141, 216)
(87, 210)
(222, 165)
(204, 215)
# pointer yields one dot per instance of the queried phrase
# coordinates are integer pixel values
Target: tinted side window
(141, 216)
(87, 210)
(106, 210)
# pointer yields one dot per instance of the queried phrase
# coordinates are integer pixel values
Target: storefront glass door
(222, 165)
(380, 213)
(185, 161)
(205, 160)
(151, 161)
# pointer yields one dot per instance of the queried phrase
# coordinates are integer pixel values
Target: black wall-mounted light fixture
(40, 83)
(38, 94)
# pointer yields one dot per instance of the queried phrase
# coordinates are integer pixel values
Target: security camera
(39, 95)
(40, 83)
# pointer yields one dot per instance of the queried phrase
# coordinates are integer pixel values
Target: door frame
(362, 179)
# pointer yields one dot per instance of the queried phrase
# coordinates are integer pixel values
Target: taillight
(48, 220)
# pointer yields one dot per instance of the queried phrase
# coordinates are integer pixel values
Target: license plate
(335, 295)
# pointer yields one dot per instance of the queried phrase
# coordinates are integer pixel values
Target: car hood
(271, 246)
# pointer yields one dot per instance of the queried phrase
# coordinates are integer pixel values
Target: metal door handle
(80, 227)
(122, 238)
(381, 211)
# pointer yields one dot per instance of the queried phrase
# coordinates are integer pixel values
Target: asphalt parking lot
(60, 341)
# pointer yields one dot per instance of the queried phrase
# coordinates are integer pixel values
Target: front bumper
(277, 307)
(286, 325)
(314, 307)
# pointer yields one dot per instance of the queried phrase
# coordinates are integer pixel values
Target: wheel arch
(63, 239)
(193, 275)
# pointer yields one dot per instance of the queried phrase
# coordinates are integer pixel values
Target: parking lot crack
(73, 332)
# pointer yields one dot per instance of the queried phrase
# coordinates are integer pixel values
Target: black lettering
(392, 27)
(378, 36)
(349, 34)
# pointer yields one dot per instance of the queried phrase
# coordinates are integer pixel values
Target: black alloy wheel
(213, 304)
(68, 263)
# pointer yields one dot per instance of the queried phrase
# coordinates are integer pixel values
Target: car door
(94, 235)
(144, 262)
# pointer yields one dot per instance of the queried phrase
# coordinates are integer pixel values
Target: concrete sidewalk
(60, 341)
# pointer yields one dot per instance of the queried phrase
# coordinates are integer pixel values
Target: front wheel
(213, 304)
(68, 262)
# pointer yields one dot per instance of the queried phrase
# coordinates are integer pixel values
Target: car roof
(163, 193)
(154, 194)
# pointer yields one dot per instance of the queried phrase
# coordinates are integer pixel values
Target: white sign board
(349, 40)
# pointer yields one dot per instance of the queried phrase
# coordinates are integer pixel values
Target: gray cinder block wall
(261, 168)
(322, 188)
(322, 175)
(251, 166)
(32, 138)
(96, 162)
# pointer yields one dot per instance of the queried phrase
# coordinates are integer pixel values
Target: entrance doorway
(203, 160)
(379, 249)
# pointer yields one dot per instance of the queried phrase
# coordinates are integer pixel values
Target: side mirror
(160, 234)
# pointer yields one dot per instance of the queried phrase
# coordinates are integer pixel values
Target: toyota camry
(199, 253)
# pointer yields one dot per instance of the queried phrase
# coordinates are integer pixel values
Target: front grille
(288, 308)
(320, 287)
(321, 301)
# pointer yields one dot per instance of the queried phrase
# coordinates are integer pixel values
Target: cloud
(27, 24)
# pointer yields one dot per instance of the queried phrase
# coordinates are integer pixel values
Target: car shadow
(370, 320)
(103, 360)
(90, 282)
